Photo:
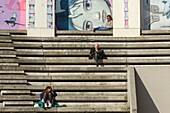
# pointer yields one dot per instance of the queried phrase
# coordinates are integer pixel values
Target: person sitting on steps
(47, 98)
(107, 27)
(96, 53)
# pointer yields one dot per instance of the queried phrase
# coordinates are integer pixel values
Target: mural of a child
(82, 14)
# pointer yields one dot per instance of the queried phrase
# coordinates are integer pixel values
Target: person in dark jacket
(96, 53)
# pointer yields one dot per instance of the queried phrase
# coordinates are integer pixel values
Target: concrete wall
(126, 18)
(153, 89)
(42, 12)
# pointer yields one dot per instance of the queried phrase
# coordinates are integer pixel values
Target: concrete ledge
(79, 108)
(85, 52)
(90, 87)
(21, 103)
(13, 92)
(78, 77)
(14, 31)
(69, 98)
(84, 60)
(13, 81)
(13, 77)
(58, 45)
(156, 32)
(6, 45)
(77, 32)
(94, 38)
(61, 69)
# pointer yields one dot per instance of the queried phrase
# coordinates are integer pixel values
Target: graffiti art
(13, 14)
(82, 14)
(156, 15)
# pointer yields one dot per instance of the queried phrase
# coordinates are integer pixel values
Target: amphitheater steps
(114, 108)
(62, 62)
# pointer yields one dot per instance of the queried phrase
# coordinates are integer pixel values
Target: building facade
(129, 16)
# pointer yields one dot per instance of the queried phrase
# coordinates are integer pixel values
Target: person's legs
(50, 97)
(45, 99)
(96, 59)
(49, 100)
(97, 28)
(104, 29)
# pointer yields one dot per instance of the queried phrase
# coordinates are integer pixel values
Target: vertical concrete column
(40, 18)
(126, 18)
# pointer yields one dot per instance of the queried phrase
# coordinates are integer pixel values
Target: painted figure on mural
(12, 21)
(82, 14)
(156, 14)
(21, 5)
(166, 10)
(13, 14)
(1, 10)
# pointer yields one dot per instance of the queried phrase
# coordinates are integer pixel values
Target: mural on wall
(81, 14)
(156, 15)
(126, 17)
(13, 14)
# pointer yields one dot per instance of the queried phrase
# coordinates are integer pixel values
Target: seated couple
(107, 27)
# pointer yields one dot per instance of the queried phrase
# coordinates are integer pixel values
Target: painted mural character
(12, 21)
(166, 10)
(84, 14)
(21, 5)
(1, 10)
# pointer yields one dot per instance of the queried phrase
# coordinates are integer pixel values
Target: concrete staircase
(29, 64)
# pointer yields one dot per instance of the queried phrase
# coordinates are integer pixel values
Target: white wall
(133, 16)
(153, 89)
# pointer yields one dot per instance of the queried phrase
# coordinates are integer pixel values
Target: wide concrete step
(6, 44)
(66, 45)
(5, 39)
(6, 48)
(11, 71)
(13, 92)
(65, 69)
(84, 93)
(86, 38)
(85, 52)
(13, 77)
(78, 77)
(7, 52)
(88, 87)
(69, 98)
(83, 84)
(13, 81)
(75, 108)
(9, 64)
(65, 76)
(18, 103)
(83, 60)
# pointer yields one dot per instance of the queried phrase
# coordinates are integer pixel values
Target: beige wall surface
(132, 29)
(153, 89)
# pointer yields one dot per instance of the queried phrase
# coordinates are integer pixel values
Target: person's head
(48, 89)
(109, 18)
(96, 45)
